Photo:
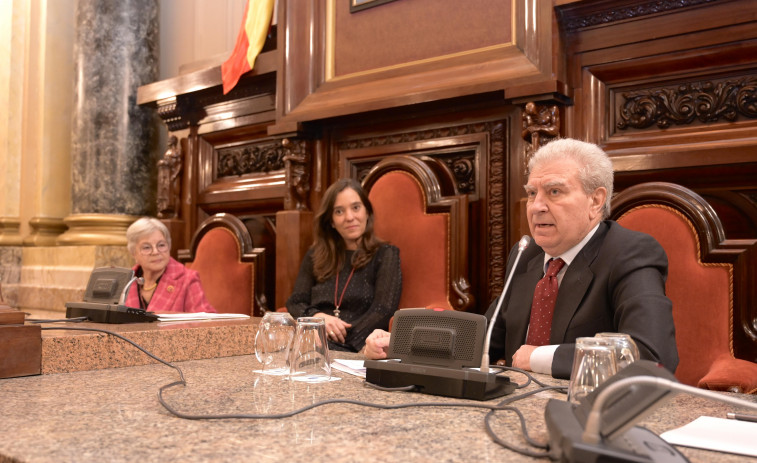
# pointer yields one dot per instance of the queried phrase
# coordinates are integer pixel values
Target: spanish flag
(252, 35)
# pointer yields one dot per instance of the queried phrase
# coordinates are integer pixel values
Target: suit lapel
(575, 283)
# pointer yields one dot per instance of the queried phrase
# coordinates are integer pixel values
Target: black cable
(72, 320)
(524, 429)
(491, 408)
(410, 388)
(531, 378)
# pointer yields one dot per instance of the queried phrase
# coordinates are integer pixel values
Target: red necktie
(543, 306)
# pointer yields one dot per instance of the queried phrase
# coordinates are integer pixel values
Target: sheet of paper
(720, 434)
(185, 316)
(353, 367)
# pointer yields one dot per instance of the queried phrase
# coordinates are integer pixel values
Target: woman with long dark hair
(348, 277)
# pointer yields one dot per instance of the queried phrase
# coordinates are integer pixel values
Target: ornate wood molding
(170, 168)
(706, 101)
(541, 124)
(579, 17)
(297, 160)
(462, 165)
(497, 220)
(250, 158)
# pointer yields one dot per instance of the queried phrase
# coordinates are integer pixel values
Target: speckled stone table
(114, 415)
(66, 349)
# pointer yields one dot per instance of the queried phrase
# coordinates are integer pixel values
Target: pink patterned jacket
(179, 290)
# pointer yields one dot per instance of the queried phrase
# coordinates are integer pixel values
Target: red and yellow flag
(252, 35)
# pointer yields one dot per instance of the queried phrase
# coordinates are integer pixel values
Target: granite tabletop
(115, 415)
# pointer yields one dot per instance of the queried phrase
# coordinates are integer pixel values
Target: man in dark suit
(613, 279)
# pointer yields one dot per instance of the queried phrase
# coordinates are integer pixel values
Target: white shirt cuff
(541, 359)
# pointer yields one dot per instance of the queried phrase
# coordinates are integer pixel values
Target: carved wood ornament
(707, 101)
(170, 167)
(297, 160)
(541, 124)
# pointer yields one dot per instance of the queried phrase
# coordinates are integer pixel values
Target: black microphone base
(108, 313)
(461, 383)
(635, 445)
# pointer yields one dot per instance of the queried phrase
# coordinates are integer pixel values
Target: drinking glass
(309, 358)
(273, 341)
(626, 351)
(593, 364)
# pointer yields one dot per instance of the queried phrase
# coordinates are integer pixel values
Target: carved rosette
(707, 102)
(297, 160)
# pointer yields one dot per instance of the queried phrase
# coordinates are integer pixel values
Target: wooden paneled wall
(668, 89)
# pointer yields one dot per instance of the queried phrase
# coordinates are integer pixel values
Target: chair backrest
(230, 267)
(417, 210)
(703, 269)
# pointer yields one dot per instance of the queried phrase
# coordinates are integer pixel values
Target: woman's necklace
(144, 288)
(337, 304)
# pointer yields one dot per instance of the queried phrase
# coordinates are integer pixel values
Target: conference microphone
(522, 245)
(602, 427)
(442, 352)
(125, 292)
(105, 296)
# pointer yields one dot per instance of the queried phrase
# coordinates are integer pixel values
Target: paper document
(719, 434)
(185, 316)
(353, 367)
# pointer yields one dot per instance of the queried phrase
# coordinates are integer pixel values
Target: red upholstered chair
(707, 280)
(230, 267)
(417, 209)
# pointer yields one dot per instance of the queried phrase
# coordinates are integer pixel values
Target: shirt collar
(571, 253)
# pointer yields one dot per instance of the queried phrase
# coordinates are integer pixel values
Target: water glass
(626, 351)
(273, 341)
(309, 358)
(593, 364)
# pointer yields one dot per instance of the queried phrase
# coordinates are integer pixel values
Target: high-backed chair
(707, 280)
(230, 268)
(417, 209)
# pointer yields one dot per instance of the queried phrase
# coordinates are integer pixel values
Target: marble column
(114, 147)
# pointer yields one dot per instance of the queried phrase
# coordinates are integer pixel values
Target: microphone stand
(522, 245)
(122, 299)
(591, 434)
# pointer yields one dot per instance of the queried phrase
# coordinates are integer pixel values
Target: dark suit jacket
(616, 283)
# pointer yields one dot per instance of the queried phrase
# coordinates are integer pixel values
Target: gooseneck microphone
(593, 431)
(139, 280)
(522, 245)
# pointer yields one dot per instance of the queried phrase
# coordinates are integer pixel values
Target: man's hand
(377, 344)
(522, 357)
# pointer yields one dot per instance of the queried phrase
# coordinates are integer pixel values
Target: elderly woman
(348, 277)
(168, 286)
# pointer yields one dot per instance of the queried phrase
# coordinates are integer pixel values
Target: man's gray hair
(595, 167)
(143, 227)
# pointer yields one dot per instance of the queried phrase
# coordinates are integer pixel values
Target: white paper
(185, 316)
(353, 367)
(719, 434)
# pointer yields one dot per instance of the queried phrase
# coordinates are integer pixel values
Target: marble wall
(113, 145)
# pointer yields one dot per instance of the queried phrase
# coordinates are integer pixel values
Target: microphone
(522, 245)
(125, 292)
(602, 427)
(439, 353)
(105, 296)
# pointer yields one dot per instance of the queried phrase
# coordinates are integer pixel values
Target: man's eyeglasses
(146, 249)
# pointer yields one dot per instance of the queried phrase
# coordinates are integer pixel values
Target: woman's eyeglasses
(146, 249)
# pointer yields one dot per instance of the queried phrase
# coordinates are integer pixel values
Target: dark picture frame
(358, 5)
